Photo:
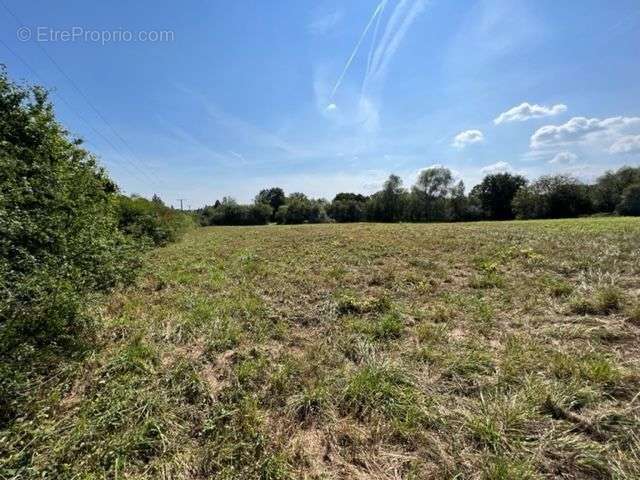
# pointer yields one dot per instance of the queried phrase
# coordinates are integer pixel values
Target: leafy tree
(554, 196)
(348, 207)
(496, 192)
(630, 201)
(430, 192)
(300, 209)
(388, 205)
(610, 187)
(273, 197)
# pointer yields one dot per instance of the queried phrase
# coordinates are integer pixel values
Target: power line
(82, 119)
(87, 100)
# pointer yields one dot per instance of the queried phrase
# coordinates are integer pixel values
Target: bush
(229, 212)
(59, 240)
(300, 209)
(151, 221)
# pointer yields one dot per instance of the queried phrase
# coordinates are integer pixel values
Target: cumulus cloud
(467, 138)
(526, 111)
(626, 144)
(564, 158)
(580, 129)
(499, 167)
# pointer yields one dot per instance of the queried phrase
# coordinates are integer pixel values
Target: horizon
(321, 98)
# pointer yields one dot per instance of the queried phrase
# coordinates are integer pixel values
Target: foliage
(630, 201)
(151, 221)
(348, 207)
(59, 240)
(610, 187)
(559, 196)
(229, 212)
(274, 197)
(300, 209)
(496, 192)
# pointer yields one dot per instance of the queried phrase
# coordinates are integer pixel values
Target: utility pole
(181, 200)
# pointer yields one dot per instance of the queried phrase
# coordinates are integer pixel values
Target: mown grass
(488, 350)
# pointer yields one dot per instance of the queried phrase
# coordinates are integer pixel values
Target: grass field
(488, 350)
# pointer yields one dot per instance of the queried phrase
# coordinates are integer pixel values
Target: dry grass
(489, 350)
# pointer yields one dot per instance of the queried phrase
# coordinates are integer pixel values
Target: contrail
(393, 45)
(395, 19)
(375, 37)
(401, 19)
(357, 47)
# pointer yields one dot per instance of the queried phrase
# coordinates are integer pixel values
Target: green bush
(229, 212)
(58, 237)
(150, 220)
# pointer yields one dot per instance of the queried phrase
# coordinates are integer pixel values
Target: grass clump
(384, 328)
(350, 304)
(605, 301)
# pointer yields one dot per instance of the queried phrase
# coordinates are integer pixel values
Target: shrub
(59, 239)
(229, 212)
(151, 221)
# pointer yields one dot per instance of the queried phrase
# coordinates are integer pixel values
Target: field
(488, 350)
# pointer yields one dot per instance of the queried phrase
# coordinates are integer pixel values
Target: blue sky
(328, 96)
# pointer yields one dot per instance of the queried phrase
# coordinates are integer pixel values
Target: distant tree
(459, 203)
(273, 197)
(343, 197)
(157, 200)
(630, 201)
(388, 205)
(553, 196)
(609, 187)
(301, 209)
(496, 193)
(429, 193)
(347, 207)
(229, 212)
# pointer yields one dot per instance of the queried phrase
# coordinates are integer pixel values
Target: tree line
(438, 197)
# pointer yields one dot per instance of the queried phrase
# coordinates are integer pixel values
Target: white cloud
(626, 144)
(564, 158)
(581, 129)
(323, 24)
(467, 138)
(499, 167)
(526, 111)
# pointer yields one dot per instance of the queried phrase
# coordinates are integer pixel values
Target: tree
(496, 192)
(630, 201)
(429, 194)
(610, 187)
(347, 207)
(553, 196)
(388, 204)
(157, 200)
(273, 197)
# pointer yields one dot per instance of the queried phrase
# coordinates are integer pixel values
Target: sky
(197, 100)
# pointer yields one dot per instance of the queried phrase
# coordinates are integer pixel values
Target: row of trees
(437, 196)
